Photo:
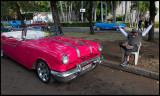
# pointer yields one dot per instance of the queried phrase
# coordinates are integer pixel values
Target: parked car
(38, 23)
(100, 26)
(53, 55)
(16, 23)
(38, 28)
(3, 29)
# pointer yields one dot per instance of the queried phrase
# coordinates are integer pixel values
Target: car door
(16, 49)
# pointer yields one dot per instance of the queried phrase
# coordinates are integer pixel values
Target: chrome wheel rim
(43, 71)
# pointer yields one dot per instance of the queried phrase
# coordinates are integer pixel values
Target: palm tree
(76, 6)
(122, 10)
(106, 11)
(95, 5)
(125, 12)
(141, 8)
(101, 11)
(152, 18)
(114, 7)
(62, 13)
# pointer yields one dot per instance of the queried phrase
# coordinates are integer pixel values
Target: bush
(75, 24)
(156, 24)
(71, 24)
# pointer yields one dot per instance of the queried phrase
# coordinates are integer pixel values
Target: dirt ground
(148, 56)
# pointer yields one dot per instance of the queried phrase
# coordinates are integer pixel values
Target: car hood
(73, 47)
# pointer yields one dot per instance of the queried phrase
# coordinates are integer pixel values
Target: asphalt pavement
(129, 68)
(85, 29)
(18, 80)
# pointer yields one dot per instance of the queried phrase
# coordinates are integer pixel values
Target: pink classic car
(53, 55)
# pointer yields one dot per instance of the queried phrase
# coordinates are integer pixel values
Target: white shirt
(143, 33)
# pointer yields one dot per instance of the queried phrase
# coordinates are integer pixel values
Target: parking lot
(18, 80)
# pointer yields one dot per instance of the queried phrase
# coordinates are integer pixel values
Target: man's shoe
(125, 63)
(129, 47)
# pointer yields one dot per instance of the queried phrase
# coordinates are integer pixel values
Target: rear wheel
(2, 54)
(98, 28)
(43, 72)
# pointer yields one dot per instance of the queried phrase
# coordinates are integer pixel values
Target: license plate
(86, 67)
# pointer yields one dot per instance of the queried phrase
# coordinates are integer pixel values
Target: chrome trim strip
(62, 53)
(12, 45)
(68, 44)
(75, 70)
(89, 47)
(80, 41)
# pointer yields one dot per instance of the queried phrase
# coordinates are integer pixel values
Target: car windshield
(48, 31)
(51, 31)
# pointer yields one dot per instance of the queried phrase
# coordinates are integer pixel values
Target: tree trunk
(113, 12)
(137, 15)
(95, 10)
(122, 11)
(101, 11)
(62, 13)
(71, 12)
(152, 18)
(55, 15)
(125, 12)
(66, 11)
(82, 12)
(136, 24)
(106, 11)
(130, 17)
(20, 15)
(90, 19)
(69, 9)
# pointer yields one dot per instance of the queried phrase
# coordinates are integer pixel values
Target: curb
(131, 69)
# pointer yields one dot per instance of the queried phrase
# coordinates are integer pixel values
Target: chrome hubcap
(43, 71)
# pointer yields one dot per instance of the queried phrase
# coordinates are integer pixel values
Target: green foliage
(45, 6)
(75, 24)
(9, 9)
(119, 17)
(156, 24)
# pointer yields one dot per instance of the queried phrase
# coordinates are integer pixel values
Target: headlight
(99, 48)
(65, 59)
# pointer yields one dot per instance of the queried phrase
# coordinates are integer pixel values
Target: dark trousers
(128, 51)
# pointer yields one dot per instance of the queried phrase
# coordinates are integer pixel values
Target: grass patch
(106, 36)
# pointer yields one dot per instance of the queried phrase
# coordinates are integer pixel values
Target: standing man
(133, 41)
(146, 23)
(140, 24)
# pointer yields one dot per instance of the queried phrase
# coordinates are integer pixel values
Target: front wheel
(43, 72)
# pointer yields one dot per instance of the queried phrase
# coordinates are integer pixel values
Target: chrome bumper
(73, 73)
